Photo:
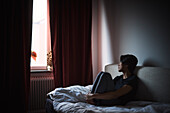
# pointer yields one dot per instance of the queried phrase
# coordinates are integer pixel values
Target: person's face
(122, 67)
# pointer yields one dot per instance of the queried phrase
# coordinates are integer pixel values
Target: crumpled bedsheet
(72, 100)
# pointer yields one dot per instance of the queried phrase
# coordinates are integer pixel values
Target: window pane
(39, 33)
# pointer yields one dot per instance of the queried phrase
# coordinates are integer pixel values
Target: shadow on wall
(151, 63)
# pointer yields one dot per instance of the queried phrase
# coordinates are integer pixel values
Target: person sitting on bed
(118, 91)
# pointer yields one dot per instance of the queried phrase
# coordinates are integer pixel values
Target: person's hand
(89, 98)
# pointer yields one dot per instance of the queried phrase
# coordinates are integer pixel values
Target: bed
(153, 95)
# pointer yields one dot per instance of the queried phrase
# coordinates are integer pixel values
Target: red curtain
(71, 41)
(15, 41)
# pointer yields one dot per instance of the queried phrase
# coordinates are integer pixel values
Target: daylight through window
(39, 47)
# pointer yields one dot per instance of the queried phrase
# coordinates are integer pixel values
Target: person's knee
(105, 76)
(100, 73)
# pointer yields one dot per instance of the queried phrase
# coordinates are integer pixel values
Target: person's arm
(110, 95)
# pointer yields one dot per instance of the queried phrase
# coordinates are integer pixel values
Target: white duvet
(72, 100)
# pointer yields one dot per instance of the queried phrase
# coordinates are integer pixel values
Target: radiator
(39, 86)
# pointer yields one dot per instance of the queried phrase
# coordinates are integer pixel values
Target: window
(40, 35)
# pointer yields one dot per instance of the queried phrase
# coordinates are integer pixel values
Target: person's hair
(129, 60)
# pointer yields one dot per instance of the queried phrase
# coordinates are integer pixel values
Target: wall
(139, 27)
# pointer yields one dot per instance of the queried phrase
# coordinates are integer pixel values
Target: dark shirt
(120, 82)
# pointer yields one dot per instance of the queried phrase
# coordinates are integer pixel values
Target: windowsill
(41, 71)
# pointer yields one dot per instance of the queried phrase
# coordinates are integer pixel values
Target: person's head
(127, 62)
